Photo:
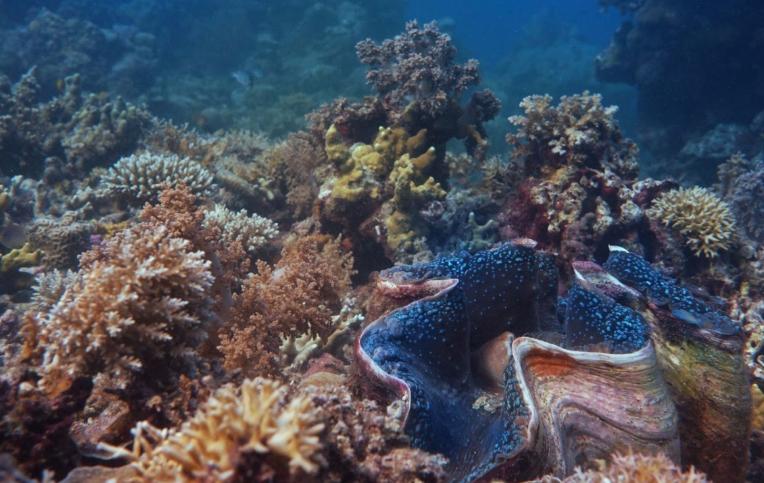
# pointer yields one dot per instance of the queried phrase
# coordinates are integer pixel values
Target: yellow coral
(255, 417)
(365, 168)
(20, 257)
(701, 217)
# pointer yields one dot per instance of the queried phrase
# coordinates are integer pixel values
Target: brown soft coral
(299, 295)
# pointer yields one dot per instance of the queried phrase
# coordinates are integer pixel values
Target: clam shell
(586, 405)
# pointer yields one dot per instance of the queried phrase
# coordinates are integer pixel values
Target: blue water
(491, 28)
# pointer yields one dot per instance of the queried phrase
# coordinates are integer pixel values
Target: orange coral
(298, 295)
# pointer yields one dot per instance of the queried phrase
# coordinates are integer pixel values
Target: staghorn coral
(50, 287)
(702, 218)
(252, 232)
(299, 295)
(139, 298)
(633, 467)
(142, 177)
(250, 431)
(417, 67)
(178, 213)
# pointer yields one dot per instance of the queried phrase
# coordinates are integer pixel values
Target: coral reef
(702, 218)
(745, 193)
(61, 240)
(140, 296)
(417, 67)
(578, 190)
(419, 83)
(83, 130)
(363, 299)
(117, 58)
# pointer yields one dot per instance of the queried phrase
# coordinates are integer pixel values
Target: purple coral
(417, 66)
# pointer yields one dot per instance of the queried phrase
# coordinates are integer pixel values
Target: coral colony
(356, 303)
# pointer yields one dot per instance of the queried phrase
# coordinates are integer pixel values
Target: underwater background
(372, 240)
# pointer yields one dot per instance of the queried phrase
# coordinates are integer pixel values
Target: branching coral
(253, 232)
(299, 295)
(579, 176)
(701, 217)
(417, 66)
(139, 297)
(579, 131)
(635, 468)
(300, 163)
(142, 177)
(254, 429)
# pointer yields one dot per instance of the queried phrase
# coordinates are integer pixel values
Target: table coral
(705, 221)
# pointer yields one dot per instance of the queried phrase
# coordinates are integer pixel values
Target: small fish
(246, 77)
(242, 77)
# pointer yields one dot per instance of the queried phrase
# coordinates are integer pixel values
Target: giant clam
(490, 368)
